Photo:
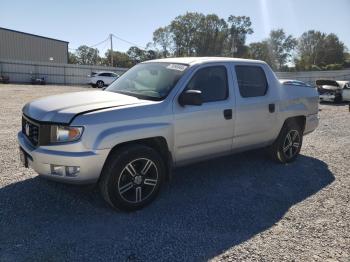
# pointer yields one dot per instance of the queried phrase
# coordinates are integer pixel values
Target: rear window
(252, 81)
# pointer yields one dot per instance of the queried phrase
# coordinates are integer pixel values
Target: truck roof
(198, 60)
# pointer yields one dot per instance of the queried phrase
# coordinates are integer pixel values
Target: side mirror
(191, 97)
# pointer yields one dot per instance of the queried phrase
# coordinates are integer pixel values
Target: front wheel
(131, 177)
(100, 84)
(287, 146)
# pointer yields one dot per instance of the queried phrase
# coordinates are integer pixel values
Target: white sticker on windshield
(178, 67)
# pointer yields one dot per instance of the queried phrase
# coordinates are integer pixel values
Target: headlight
(65, 133)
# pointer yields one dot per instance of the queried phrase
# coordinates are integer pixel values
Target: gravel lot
(242, 207)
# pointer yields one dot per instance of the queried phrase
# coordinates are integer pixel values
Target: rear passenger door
(256, 99)
(206, 130)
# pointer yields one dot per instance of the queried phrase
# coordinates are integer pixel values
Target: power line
(131, 43)
(109, 38)
(92, 46)
(100, 42)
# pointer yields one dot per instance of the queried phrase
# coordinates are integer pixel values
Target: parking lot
(241, 207)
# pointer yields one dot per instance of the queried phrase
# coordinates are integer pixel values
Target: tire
(287, 146)
(131, 177)
(100, 84)
(338, 99)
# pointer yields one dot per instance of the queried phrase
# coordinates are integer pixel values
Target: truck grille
(31, 130)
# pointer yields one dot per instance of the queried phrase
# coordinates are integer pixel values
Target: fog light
(57, 170)
(72, 171)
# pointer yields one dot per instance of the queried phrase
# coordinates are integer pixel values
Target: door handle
(228, 114)
(271, 108)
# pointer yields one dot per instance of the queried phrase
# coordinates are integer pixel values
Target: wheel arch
(157, 143)
(300, 119)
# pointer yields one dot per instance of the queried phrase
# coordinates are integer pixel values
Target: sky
(90, 22)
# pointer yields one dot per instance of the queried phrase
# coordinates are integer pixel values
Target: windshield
(151, 81)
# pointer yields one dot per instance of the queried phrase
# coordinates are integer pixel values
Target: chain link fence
(311, 76)
(70, 74)
(67, 74)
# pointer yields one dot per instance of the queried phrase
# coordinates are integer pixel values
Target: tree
(280, 47)
(310, 49)
(162, 37)
(261, 51)
(138, 55)
(319, 49)
(210, 36)
(72, 58)
(334, 50)
(87, 55)
(239, 28)
(275, 50)
(184, 29)
(196, 34)
(120, 59)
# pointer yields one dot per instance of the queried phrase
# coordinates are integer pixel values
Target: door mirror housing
(191, 97)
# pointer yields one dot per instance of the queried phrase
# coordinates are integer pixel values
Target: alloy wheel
(291, 144)
(138, 180)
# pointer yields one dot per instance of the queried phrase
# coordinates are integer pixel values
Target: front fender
(111, 137)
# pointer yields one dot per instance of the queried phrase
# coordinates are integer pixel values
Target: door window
(212, 82)
(252, 81)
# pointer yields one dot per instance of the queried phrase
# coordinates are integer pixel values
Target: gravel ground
(242, 207)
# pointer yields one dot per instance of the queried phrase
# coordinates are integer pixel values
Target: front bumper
(42, 158)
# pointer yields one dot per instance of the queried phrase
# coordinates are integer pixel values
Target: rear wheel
(100, 84)
(287, 146)
(132, 177)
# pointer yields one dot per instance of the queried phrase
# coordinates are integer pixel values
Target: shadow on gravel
(206, 209)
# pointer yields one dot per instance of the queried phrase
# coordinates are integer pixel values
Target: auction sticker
(178, 67)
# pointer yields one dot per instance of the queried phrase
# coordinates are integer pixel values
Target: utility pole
(111, 38)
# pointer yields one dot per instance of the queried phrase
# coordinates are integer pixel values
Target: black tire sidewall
(117, 164)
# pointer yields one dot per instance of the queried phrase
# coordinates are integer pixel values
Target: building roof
(197, 60)
(44, 37)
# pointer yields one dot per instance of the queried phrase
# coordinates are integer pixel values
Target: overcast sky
(89, 22)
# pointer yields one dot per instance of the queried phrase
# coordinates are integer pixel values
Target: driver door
(206, 130)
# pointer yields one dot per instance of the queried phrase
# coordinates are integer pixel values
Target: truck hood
(62, 108)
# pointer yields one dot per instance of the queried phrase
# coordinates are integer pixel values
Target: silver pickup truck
(162, 114)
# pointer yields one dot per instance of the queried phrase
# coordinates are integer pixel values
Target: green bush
(315, 68)
(333, 67)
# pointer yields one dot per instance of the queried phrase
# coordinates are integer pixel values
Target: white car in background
(101, 79)
(333, 90)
